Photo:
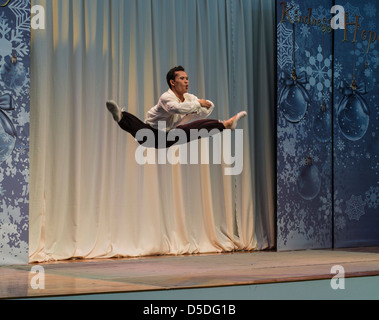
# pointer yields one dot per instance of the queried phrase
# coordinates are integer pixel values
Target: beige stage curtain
(88, 196)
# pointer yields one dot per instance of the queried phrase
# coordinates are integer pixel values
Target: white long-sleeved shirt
(174, 112)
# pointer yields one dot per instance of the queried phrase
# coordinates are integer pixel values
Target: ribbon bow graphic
(348, 90)
(290, 79)
(6, 104)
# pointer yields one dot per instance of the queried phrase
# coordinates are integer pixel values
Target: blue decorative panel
(14, 130)
(356, 126)
(327, 124)
(304, 124)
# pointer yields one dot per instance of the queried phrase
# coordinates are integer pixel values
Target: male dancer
(178, 110)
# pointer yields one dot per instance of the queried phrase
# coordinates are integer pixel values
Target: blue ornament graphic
(309, 181)
(8, 132)
(353, 114)
(322, 125)
(13, 73)
(294, 99)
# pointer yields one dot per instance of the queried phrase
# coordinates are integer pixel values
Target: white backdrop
(88, 196)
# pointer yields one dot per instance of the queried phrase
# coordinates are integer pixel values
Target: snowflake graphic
(326, 96)
(340, 223)
(20, 9)
(321, 13)
(20, 151)
(304, 30)
(326, 205)
(368, 72)
(372, 197)
(11, 41)
(362, 56)
(5, 137)
(295, 11)
(288, 175)
(355, 207)
(319, 71)
(23, 117)
(14, 80)
(371, 25)
(315, 158)
(353, 11)
(285, 45)
(337, 69)
(370, 9)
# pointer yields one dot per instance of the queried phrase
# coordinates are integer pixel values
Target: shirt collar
(174, 95)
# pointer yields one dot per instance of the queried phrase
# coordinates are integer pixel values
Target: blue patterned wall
(304, 154)
(327, 129)
(356, 127)
(14, 131)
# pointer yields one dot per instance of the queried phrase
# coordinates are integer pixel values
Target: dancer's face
(181, 83)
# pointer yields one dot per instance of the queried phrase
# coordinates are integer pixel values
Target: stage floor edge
(309, 274)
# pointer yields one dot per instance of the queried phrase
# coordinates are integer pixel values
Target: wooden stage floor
(82, 277)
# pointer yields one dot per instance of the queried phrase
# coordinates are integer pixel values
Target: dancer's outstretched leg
(126, 120)
(115, 110)
(232, 122)
(132, 124)
(207, 127)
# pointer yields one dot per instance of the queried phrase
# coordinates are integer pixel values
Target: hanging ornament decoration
(309, 180)
(13, 73)
(294, 99)
(14, 58)
(8, 133)
(353, 114)
(322, 125)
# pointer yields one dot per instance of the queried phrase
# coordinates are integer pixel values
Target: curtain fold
(88, 197)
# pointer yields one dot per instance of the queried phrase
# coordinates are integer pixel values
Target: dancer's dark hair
(171, 75)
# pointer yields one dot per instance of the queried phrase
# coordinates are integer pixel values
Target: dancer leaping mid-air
(177, 109)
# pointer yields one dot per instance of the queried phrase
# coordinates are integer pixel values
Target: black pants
(133, 125)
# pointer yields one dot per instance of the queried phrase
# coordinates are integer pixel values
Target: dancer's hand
(205, 103)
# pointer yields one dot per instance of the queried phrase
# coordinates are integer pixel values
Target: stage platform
(243, 275)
